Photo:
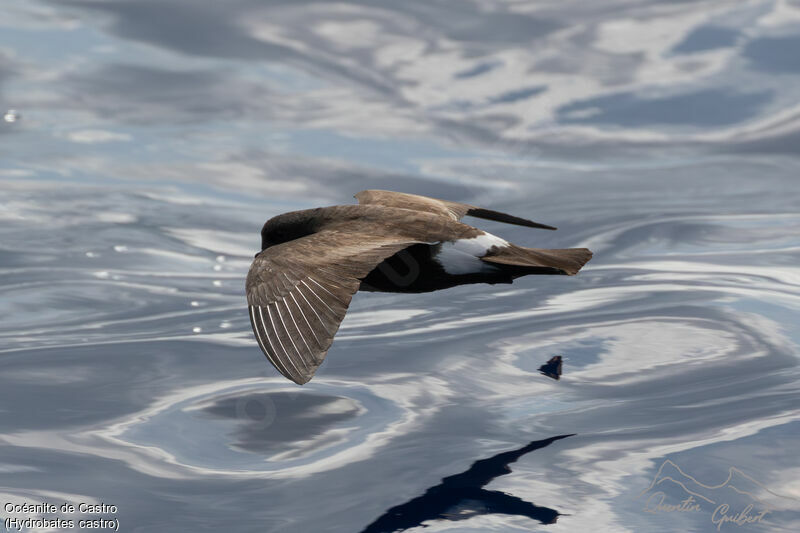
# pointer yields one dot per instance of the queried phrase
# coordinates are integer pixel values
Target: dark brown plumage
(312, 262)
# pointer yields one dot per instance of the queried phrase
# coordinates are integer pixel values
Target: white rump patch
(463, 256)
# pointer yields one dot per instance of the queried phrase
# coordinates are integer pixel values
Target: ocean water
(144, 143)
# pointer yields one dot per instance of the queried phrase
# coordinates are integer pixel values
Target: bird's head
(288, 227)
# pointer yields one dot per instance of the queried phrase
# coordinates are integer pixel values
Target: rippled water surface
(145, 142)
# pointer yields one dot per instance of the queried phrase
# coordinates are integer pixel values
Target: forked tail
(539, 261)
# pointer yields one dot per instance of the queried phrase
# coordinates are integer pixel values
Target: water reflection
(271, 423)
(552, 368)
(462, 496)
(467, 71)
(707, 38)
(774, 54)
(720, 107)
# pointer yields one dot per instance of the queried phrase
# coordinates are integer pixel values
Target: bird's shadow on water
(462, 496)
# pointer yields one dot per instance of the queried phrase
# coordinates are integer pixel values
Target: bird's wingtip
(299, 380)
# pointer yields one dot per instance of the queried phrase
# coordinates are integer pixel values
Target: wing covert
(453, 210)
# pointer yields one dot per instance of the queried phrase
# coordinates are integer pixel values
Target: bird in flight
(313, 261)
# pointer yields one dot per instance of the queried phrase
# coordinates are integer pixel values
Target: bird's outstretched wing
(298, 293)
(454, 210)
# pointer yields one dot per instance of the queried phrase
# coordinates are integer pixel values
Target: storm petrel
(312, 262)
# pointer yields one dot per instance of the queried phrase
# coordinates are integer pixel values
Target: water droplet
(120, 248)
(197, 329)
(194, 303)
(217, 283)
(225, 324)
(101, 275)
(11, 115)
(217, 268)
(220, 259)
(91, 254)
